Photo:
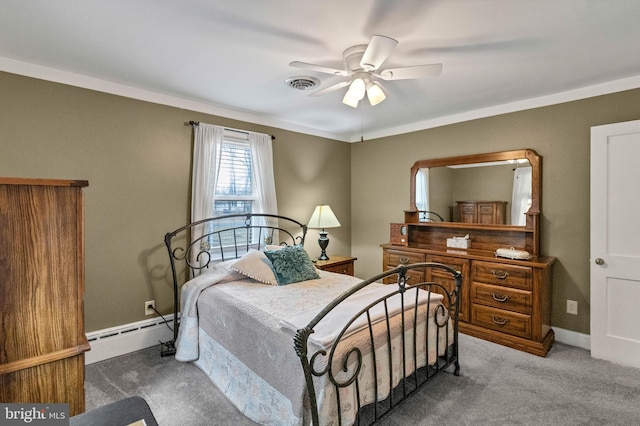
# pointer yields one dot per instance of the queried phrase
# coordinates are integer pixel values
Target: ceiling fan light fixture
(363, 63)
(357, 89)
(348, 100)
(375, 94)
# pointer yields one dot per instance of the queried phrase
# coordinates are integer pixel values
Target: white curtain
(208, 140)
(265, 184)
(521, 196)
(206, 161)
(422, 189)
(262, 156)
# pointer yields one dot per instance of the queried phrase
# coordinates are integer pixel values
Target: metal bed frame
(223, 238)
(410, 381)
(238, 233)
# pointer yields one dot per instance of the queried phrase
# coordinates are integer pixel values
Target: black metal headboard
(197, 246)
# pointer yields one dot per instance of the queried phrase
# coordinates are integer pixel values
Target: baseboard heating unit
(123, 339)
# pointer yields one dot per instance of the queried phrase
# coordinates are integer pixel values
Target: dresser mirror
(506, 292)
(504, 185)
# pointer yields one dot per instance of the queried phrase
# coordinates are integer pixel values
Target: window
(232, 174)
(521, 198)
(422, 189)
(234, 191)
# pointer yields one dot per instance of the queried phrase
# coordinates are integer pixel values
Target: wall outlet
(572, 307)
(149, 307)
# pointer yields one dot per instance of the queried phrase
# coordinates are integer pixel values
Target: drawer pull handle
(404, 260)
(500, 297)
(499, 321)
(501, 275)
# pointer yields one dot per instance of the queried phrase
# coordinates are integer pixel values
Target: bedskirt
(256, 399)
(251, 395)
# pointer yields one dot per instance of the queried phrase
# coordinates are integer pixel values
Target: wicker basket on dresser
(42, 343)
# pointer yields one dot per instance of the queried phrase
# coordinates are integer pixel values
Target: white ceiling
(231, 57)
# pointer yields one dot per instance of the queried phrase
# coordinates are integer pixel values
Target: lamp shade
(323, 217)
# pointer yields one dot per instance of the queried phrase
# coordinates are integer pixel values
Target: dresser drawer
(341, 268)
(399, 257)
(500, 320)
(502, 297)
(485, 209)
(502, 274)
(468, 208)
(413, 277)
(393, 258)
(457, 264)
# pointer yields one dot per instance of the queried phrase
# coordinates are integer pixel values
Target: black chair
(120, 413)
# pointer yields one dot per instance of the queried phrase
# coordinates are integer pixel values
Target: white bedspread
(327, 330)
(255, 323)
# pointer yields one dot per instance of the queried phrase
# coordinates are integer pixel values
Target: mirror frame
(536, 176)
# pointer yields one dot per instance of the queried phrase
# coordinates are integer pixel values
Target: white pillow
(254, 264)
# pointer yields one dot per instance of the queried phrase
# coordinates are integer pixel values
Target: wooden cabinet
(393, 257)
(505, 301)
(42, 339)
(338, 264)
(441, 277)
(484, 212)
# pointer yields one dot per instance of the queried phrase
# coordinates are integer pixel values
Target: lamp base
(323, 242)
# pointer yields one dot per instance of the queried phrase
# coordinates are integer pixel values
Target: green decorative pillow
(291, 264)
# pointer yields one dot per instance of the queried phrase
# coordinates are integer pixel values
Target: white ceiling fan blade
(382, 86)
(319, 68)
(330, 88)
(377, 52)
(406, 73)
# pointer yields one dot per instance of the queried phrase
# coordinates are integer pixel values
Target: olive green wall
(137, 158)
(559, 133)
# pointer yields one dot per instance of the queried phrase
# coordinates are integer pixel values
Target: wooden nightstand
(339, 264)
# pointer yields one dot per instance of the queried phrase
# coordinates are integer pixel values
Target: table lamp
(322, 218)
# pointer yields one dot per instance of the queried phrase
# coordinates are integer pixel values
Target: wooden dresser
(503, 300)
(42, 340)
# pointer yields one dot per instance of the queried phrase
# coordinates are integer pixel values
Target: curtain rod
(197, 123)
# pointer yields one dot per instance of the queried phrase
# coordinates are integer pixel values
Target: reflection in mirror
(495, 188)
(521, 195)
(440, 189)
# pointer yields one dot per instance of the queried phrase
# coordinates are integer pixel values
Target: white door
(615, 243)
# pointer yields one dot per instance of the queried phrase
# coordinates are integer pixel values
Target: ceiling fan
(362, 69)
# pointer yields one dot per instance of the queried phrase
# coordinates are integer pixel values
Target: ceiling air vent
(302, 82)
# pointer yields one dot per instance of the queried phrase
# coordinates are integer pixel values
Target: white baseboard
(116, 341)
(121, 340)
(572, 338)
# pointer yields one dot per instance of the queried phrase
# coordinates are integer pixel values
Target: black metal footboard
(403, 339)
